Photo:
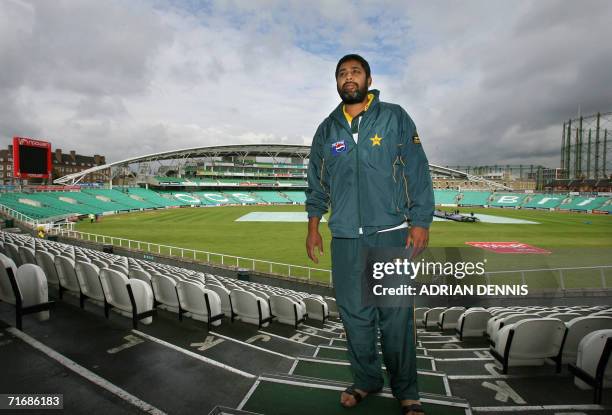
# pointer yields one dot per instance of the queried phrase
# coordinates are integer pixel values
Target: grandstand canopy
(249, 150)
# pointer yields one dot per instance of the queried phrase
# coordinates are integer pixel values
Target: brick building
(63, 164)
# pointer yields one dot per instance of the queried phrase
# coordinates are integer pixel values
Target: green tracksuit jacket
(376, 183)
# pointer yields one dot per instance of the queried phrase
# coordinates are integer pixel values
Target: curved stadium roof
(244, 150)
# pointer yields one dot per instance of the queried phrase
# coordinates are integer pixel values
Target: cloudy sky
(485, 81)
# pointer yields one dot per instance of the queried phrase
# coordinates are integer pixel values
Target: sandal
(358, 397)
(414, 407)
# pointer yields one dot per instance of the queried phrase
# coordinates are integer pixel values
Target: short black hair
(354, 57)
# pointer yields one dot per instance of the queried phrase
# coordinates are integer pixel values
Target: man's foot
(410, 407)
(351, 397)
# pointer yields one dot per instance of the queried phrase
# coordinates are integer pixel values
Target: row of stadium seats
(99, 201)
(135, 287)
(524, 200)
(579, 336)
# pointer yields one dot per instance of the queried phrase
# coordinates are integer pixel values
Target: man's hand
(419, 238)
(314, 241)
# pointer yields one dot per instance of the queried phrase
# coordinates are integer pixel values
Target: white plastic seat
(224, 295)
(117, 288)
(332, 307)
(33, 287)
(89, 279)
(565, 317)
(286, 310)
(510, 319)
(27, 255)
(577, 329)
(201, 303)
(140, 274)
(448, 318)
(13, 252)
(164, 290)
(472, 323)
(431, 316)
(528, 342)
(316, 308)
(593, 368)
(6, 290)
(249, 308)
(45, 260)
(419, 313)
(26, 288)
(66, 275)
(493, 321)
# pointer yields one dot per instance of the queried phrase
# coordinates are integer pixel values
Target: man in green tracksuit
(367, 162)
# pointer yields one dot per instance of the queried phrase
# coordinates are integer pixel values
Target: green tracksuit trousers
(361, 322)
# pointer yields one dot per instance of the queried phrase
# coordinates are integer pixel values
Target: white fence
(18, 216)
(293, 271)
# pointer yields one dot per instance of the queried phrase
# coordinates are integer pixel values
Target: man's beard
(353, 97)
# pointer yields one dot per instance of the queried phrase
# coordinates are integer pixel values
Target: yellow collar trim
(348, 116)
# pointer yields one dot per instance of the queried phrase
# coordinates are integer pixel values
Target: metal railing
(214, 258)
(18, 216)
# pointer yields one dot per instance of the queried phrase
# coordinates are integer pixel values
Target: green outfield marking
(325, 353)
(331, 371)
(287, 399)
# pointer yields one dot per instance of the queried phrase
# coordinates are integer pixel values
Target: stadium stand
(264, 364)
(512, 200)
(540, 201)
(582, 204)
(474, 198)
(445, 197)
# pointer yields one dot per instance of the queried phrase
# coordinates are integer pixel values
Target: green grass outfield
(575, 239)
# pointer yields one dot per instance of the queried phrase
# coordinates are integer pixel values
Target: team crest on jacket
(375, 140)
(338, 147)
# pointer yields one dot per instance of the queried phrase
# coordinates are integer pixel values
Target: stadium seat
(419, 313)
(508, 319)
(202, 304)
(431, 316)
(593, 366)
(132, 298)
(448, 318)
(6, 289)
(29, 291)
(119, 268)
(332, 306)
(164, 292)
(13, 252)
(27, 255)
(66, 275)
(45, 261)
(565, 317)
(140, 274)
(249, 308)
(88, 276)
(528, 342)
(576, 330)
(224, 295)
(472, 323)
(316, 308)
(286, 310)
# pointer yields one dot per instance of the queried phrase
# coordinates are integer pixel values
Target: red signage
(509, 247)
(31, 158)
